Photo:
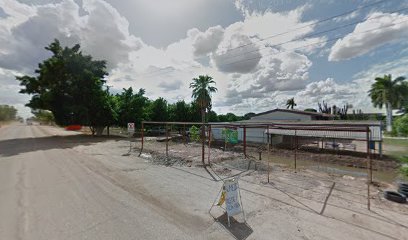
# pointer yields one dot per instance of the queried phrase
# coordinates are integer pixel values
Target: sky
(259, 52)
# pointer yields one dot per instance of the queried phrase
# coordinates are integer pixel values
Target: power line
(312, 24)
(326, 41)
(283, 33)
(307, 45)
(313, 34)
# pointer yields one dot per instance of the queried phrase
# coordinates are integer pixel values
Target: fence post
(369, 173)
(141, 149)
(296, 146)
(245, 153)
(167, 141)
(209, 144)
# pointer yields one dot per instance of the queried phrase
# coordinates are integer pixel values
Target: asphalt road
(50, 191)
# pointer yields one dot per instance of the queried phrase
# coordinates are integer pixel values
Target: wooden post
(141, 149)
(167, 141)
(369, 177)
(245, 153)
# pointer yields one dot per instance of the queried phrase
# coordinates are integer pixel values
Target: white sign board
(131, 127)
(231, 188)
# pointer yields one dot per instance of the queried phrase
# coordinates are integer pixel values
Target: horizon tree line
(72, 86)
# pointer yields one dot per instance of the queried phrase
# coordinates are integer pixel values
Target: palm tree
(390, 93)
(290, 103)
(202, 91)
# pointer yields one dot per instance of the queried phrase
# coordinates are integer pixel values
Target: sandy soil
(301, 205)
(191, 151)
(79, 187)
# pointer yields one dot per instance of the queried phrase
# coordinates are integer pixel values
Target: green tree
(231, 117)
(249, 115)
(212, 116)
(131, 107)
(179, 111)
(388, 92)
(70, 85)
(202, 91)
(158, 110)
(290, 103)
(43, 116)
(194, 112)
(401, 126)
(7, 113)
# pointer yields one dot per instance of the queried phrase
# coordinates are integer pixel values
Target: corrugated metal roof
(375, 133)
(296, 112)
(314, 122)
(355, 130)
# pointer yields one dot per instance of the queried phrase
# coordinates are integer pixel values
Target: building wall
(253, 135)
(283, 116)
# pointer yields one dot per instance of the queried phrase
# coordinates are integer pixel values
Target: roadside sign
(131, 127)
(230, 135)
(231, 196)
(231, 188)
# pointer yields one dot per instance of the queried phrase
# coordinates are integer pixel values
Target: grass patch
(403, 159)
(396, 142)
(397, 149)
(404, 170)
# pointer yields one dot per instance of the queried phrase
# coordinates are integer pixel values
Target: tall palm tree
(202, 91)
(290, 103)
(390, 93)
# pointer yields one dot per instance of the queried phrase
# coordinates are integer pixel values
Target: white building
(296, 117)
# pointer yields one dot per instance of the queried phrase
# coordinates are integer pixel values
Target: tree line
(134, 107)
(7, 113)
(72, 86)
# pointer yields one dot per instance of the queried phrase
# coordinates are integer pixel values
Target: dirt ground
(189, 151)
(302, 205)
(99, 188)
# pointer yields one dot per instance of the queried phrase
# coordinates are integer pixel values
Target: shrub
(401, 126)
(195, 133)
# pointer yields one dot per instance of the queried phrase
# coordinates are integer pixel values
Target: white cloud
(240, 59)
(171, 85)
(207, 41)
(253, 78)
(329, 91)
(381, 29)
(347, 17)
(9, 93)
(24, 37)
(267, 24)
(354, 92)
(256, 77)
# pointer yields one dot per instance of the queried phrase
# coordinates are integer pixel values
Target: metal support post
(141, 149)
(245, 153)
(167, 141)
